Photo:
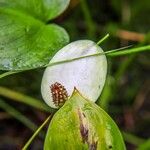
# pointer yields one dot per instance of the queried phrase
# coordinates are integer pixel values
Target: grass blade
(128, 51)
(132, 138)
(19, 97)
(8, 73)
(17, 115)
(36, 132)
(103, 39)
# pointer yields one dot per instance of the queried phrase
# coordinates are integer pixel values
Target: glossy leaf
(25, 42)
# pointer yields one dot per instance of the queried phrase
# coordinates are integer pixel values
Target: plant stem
(103, 39)
(111, 53)
(128, 51)
(35, 133)
(123, 67)
(19, 97)
(8, 73)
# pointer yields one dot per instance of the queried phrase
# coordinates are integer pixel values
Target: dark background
(126, 93)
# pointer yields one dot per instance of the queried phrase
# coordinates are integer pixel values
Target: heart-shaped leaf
(26, 42)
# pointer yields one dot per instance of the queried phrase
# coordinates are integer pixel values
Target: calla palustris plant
(79, 123)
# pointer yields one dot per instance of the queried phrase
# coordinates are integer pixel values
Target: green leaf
(81, 125)
(41, 9)
(25, 42)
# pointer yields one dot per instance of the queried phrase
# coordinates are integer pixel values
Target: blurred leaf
(140, 10)
(145, 145)
(16, 114)
(130, 138)
(117, 5)
(19, 97)
(107, 95)
(25, 42)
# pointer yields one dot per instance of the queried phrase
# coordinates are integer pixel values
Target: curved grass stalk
(18, 115)
(135, 140)
(110, 53)
(103, 39)
(128, 51)
(8, 73)
(36, 133)
(19, 97)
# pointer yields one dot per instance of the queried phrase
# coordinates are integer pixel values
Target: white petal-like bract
(88, 74)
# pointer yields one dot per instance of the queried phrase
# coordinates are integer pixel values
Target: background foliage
(126, 93)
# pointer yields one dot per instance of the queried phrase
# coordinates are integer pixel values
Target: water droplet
(27, 29)
(7, 63)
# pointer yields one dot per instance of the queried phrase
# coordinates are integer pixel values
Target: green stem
(111, 53)
(123, 66)
(8, 73)
(128, 51)
(35, 133)
(19, 97)
(103, 39)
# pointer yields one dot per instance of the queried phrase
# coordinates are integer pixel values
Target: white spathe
(88, 75)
